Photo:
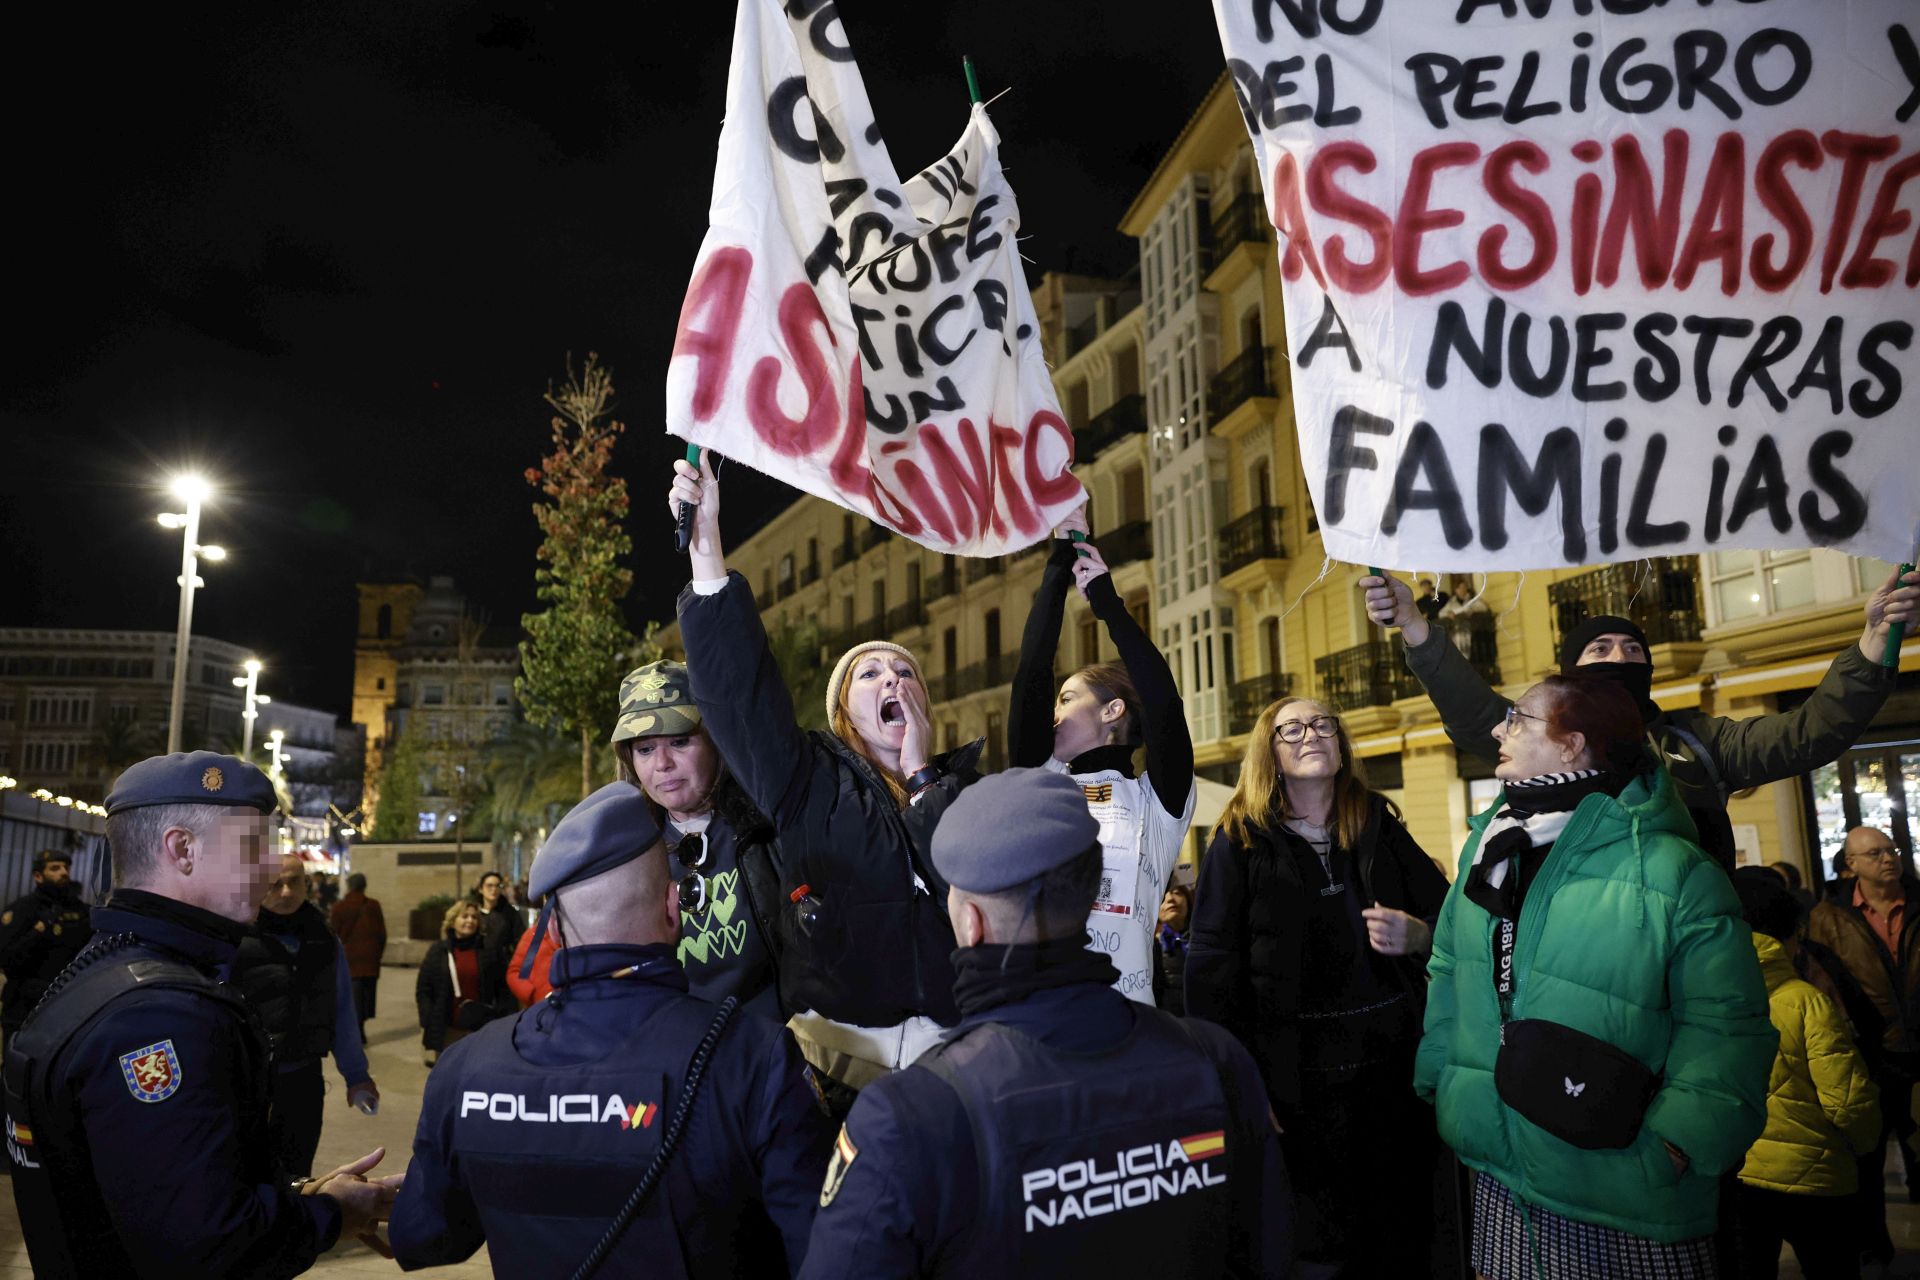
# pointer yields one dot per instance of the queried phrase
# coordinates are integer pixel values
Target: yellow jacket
(1822, 1110)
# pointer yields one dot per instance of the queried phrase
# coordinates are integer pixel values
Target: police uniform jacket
(32, 957)
(136, 1099)
(904, 1194)
(534, 1131)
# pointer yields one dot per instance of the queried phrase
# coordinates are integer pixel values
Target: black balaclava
(1635, 677)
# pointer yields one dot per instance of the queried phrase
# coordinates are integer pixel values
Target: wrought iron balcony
(1243, 378)
(1124, 417)
(810, 574)
(944, 583)
(1253, 536)
(979, 567)
(903, 617)
(873, 535)
(1246, 699)
(1242, 220)
(1662, 595)
(1368, 675)
(1477, 637)
(783, 588)
(1126, 543)
(845, 553)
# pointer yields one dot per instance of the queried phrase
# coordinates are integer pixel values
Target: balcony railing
(873, 535)
(1126, 543)
(944, 583)
(1253, 536)
(1243, 378)
(845, 553)
(1246, 699)
(1368, 675)
(1662, 595)
(810, 574)
(783, 588)
(1476, 636)
(904, 616)
(979, 567)
(1242, 220)
(1126, 416)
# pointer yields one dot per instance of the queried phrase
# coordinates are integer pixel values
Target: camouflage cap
(656, 699)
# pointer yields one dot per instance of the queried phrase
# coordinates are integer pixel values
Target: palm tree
(119, 744)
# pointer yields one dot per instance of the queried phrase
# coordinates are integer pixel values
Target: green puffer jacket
(1630, 934)
(1822, 1110)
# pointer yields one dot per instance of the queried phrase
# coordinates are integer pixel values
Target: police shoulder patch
(152, 1073)
(843, 1156)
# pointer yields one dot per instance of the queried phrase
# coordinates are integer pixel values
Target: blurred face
(490, 889)
(676, 770)
(1081, 721)
(1615, 646)
(467, 923)
(875, 688)
(289, 888)
(1174, 910)
(233, 863)
(1526, 749)
(54, 873)
(1873, 857)
(1316, 751)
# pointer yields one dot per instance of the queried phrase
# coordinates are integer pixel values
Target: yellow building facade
(1186, 442)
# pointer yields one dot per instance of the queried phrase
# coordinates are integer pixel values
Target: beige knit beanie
(851, 656)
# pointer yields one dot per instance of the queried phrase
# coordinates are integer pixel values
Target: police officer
(40, 935)
(136, 1092)
(1060, 1124)
(292, 970)
(535, 1133)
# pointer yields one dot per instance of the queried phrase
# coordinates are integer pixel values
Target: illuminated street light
(250, 682)
(274, 740)
(192, 490)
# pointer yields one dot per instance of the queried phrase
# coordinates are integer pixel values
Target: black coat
(39, 936)
(434, 994)
(1244, 944)
(879, 949)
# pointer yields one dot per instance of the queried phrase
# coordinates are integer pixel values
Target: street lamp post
(192, 490)
(274, 739)
(255, 699)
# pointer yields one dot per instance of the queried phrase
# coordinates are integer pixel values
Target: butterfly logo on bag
(1574, 1090)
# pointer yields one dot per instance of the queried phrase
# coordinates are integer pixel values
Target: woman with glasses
(722, 850)
(1311, 920)
(1090, 730)
(867, 952)
(1597, 1041)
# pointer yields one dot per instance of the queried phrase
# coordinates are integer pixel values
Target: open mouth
(891, 712)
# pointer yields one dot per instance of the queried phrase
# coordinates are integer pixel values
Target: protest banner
(1582, 280)
(868, 340)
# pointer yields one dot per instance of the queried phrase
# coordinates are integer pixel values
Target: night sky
(332, 255)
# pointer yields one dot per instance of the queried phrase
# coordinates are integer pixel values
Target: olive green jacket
(1745, 753)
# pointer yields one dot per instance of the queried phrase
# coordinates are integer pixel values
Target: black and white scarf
(1535, 813)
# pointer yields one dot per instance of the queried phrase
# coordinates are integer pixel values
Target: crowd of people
(833, 1003)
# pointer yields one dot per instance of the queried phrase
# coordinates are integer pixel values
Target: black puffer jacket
(880, 949)
(1250, 910)
(436, 997)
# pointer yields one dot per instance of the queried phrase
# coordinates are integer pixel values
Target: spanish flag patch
(1202, 1145)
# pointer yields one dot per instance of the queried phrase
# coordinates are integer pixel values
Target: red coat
(534, 987)
(362, 929)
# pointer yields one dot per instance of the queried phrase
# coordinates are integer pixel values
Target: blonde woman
(867, 955)
(462, 984)
(1311, 922)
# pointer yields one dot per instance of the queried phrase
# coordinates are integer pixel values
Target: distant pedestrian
(40, 935)
(501, 923)
(293, 973)
(462, 984)
(1427, 602)
(1823, 1112)
(361, 926)
(1170, 949)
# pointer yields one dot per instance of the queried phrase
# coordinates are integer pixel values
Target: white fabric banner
(868, 340)
(1582, 280)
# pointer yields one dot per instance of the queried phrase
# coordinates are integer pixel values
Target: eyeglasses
(1515, 715)
(1876, 854)
(1296, 730)
(693, 853)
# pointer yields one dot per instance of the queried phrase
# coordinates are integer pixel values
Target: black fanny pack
(1577, 1087)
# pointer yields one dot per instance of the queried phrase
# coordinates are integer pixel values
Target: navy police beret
(192, 777)
(612, 826)
(1011, 828)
